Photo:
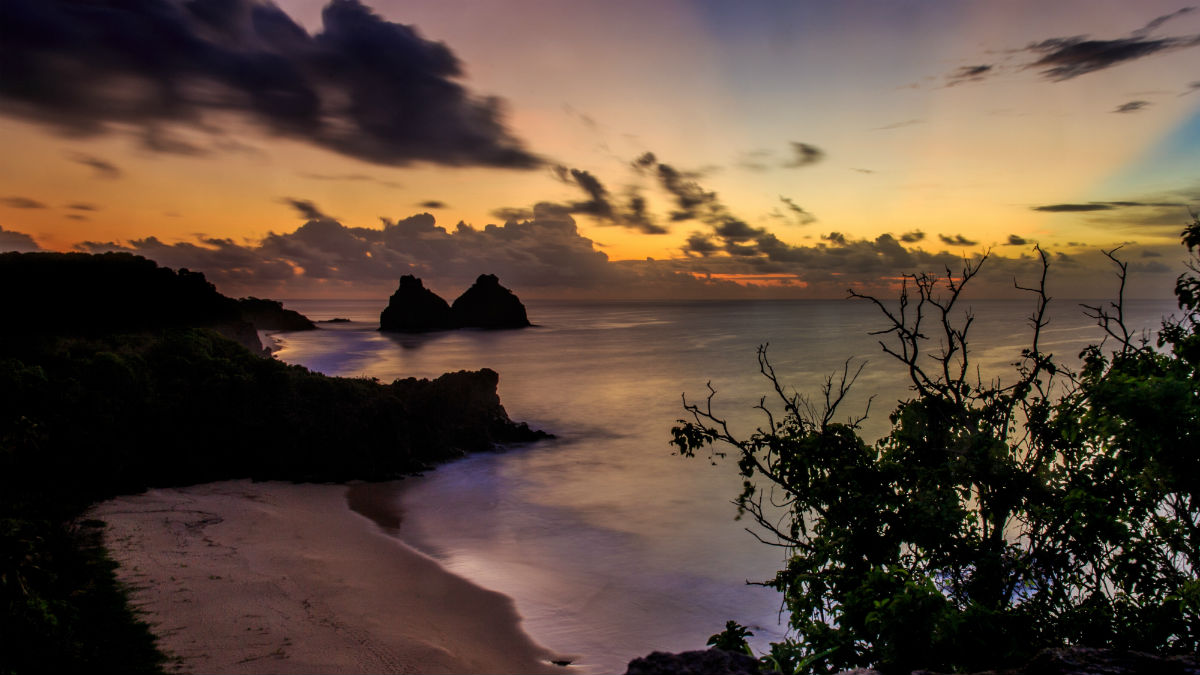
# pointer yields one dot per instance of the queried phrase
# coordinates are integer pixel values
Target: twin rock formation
(415, 309)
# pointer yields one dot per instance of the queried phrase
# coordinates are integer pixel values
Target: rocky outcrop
(702, 662)
(460, 411)
(487, 304)
(415, 309)
(270, 315)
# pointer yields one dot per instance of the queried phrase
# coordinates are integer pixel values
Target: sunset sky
(750, 149)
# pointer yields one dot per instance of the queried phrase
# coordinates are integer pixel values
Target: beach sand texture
(242, 577)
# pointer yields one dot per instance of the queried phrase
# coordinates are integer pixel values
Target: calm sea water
(611, 545)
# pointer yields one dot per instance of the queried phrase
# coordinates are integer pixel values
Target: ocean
(610, 544)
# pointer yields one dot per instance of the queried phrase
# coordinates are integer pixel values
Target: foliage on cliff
(995, 519)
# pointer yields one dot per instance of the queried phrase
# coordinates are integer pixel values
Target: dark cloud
(600, 203)
(363, 87)
(804, 154)
(1014, 240)
(77, 216)
(957, 240)
(306, 209)
(644, 161)
(1191, 88)
(432, 204)
(1158, 21)
(900, 125)
(17, 241)
(102, 168)
(1107, 206)
(1064, 58)
(969, 74)
(1147, 253)
(508, 214)
(22, 203)
(82, 206)
(692, 200)
(351, 177)
(835, 238)
(1131, 106)
(803, 217)
(348, 177)
(755, 160)
(912, 237)
(1072, 208)
(700, 244)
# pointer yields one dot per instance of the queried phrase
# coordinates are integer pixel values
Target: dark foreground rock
(702, 662)
(415, 309)
(1063, 661)
(487, 304)
(1087, 661)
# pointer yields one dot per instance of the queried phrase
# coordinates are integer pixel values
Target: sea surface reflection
(611, 545)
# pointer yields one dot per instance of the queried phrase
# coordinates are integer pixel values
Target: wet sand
(241, 577)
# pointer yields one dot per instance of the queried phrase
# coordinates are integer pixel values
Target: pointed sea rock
(487, 304)
(415, 309)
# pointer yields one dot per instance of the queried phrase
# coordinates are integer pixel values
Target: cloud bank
(362, 87)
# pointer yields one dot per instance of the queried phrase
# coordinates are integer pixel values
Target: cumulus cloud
(18, 202)
(362, 87)
(1131, 106)
(17, 241)
(912, 237)
(956, 240)
(1014, 240)
(432, 204)
(540, 255)
(804, 154)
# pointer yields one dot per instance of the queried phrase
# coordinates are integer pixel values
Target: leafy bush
(994, 520)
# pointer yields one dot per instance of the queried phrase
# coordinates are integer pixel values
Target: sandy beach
(241, 577)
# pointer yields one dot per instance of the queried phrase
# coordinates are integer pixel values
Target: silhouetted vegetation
(995, 519)
(113, 378)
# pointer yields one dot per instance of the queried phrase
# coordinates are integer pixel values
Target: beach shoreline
(243, 577)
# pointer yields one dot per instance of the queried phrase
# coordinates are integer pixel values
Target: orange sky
(809, 139)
